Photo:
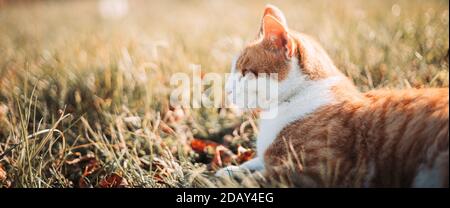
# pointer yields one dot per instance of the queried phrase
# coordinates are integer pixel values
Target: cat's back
(379, 112)
(407, 132)
(389, 131)
(404, 113)
(415, 98)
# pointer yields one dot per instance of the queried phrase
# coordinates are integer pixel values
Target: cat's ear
(275, 12)
(277, 34)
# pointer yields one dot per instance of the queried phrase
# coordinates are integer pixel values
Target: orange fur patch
(395, 130)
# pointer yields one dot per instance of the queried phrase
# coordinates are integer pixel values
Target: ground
(84, 93)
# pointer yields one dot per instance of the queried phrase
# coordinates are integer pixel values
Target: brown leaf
(200, 146)
(88, 163)
(84, 164)
(245, 154)
(92, 166)
(113, 181)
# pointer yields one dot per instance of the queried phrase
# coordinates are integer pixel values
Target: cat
(327, 133)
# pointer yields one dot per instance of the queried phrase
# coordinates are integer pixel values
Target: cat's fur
(332, 133)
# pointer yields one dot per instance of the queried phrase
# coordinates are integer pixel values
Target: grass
(84, 99)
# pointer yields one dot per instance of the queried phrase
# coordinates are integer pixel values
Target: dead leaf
(87, 164)
(113, 180)
(245, 154)
(200, 146)
(91, 167)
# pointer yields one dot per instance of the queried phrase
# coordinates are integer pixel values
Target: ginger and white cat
(335, 135)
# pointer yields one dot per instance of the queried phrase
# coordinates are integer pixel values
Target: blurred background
(84, 85)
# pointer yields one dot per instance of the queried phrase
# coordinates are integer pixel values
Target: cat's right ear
(277, 35)
(274, 12)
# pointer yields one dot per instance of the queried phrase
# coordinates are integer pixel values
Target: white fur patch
(427, 178)
(370, 174)
(432, 176)
(297, 97)
(255, 164)
(250, 91)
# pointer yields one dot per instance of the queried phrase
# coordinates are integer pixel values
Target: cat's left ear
(274, 12)
(277, 34)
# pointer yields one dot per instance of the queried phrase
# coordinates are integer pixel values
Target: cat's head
(295, 60)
